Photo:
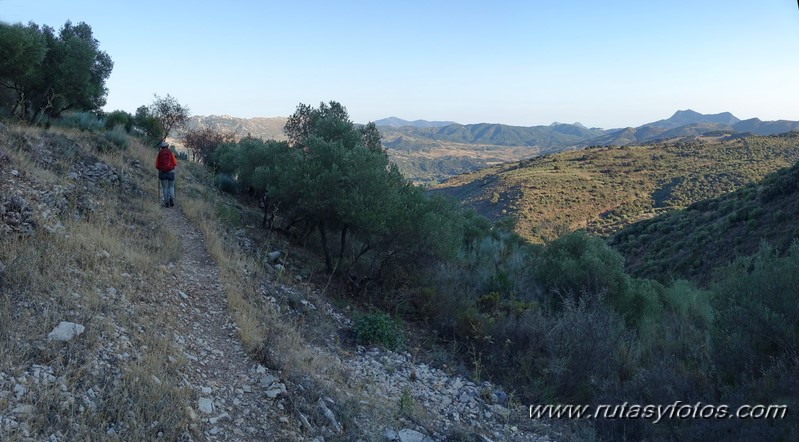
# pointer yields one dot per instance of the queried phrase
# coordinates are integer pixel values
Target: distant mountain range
(431, 151)
(688, 123)
(558, 136)
(399, 122)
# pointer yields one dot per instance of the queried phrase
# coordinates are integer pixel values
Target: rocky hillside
(266, 128)
(123, 320)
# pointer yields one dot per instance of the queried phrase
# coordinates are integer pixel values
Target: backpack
(164, 160)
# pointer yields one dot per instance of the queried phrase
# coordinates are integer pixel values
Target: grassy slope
(96, 260)
(605, 189)
(690, 243)
(91, 258)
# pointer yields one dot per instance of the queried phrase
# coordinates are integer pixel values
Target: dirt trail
(230, 400)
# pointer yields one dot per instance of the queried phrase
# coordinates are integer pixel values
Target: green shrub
(379, 329)
(577, 263)
(228, 215)
(85, 121)
(489, 302)
(118, 137)
(757, 312)
(119, 118)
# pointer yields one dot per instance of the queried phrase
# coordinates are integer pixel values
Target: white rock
(391, 435)
(273, 256)
(329, 415)
(206, 405)
(20, 391)
(275, 391)
(268, 380)
(65, 331)
(408, 435)
(24, 409)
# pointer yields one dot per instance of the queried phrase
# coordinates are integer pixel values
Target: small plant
(379, 329)
(477, 361)
(406, 403)
(228, 215)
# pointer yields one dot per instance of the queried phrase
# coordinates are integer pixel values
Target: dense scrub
(565, 324)
(710, 233)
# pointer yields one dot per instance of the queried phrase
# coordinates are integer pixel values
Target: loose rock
(65, 331)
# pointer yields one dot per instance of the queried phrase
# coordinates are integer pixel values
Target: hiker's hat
(164, 144)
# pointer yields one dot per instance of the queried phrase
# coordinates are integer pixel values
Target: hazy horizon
(522, 63)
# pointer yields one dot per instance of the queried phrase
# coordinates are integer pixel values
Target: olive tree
(170, 113)
(51, 73)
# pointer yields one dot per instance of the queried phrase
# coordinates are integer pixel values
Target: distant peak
(686, 113)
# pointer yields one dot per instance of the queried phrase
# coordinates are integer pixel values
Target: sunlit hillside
(604, 189)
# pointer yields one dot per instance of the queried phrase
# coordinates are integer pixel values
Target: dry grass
(93, 270)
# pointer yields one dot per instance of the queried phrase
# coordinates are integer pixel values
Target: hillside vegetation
(690, 243)
(84, 241)
(604, 189)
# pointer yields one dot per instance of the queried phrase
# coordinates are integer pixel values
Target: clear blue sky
(609, 63)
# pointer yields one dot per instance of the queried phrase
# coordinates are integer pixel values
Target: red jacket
(165, 161)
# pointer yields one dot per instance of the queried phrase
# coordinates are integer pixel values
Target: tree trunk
(266, 211)
(343, 242)
(328, 258)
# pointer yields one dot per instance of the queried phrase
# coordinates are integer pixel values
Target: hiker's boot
(171, 202)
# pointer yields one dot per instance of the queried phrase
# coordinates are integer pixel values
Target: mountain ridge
(399, 122)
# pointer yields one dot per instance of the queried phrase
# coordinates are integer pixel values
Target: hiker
(165, 163)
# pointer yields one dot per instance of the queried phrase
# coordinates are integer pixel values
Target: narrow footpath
(230, 400)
